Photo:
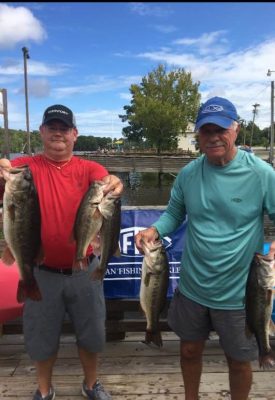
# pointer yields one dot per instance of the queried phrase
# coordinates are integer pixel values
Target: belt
(63, 271)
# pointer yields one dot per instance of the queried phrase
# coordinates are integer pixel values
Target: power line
(267, 86)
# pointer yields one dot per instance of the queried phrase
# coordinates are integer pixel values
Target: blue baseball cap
(218, 111)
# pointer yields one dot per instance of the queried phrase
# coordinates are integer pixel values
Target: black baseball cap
(61, 113)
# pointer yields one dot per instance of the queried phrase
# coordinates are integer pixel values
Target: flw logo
(127, 241)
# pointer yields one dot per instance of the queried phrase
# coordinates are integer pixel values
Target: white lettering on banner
(117, 271)
(127, 241)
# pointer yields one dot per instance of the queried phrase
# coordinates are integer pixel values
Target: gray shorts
(77, 295)
(193, 322)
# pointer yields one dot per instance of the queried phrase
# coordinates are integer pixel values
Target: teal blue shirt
(224, 208)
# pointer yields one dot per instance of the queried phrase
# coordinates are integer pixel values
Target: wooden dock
(129, 369)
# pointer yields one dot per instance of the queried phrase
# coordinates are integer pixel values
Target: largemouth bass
(259, 303)
(153, 288)
(108, 238)
(88, 222)
(21, 226)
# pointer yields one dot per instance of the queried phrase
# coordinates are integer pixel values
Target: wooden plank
(141, 163)
(206, 396)
(136, 384)
(122, 365)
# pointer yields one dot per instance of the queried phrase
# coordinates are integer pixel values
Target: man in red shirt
(61, 180)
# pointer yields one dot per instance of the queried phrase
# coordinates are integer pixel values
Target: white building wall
(187, 140)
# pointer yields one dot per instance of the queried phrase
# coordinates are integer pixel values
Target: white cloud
(99, 84)
(165, 28)
(18, 24)
(125, 96)
(15, 67)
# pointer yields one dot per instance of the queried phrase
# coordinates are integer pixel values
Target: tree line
(18, 141)
(160, 109)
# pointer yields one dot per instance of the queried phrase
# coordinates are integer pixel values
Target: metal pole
(6, 144)
(26, 56)
(271, 154)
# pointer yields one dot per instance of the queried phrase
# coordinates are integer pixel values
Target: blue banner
(122, 279)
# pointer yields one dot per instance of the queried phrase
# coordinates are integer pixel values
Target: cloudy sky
(86, 56)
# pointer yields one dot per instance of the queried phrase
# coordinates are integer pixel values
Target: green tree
(161, 107)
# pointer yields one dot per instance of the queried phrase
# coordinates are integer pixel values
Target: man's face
(58, 138)
(218, 143)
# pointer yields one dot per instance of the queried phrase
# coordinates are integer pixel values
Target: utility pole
(4, 111)
(26, 57)
(253, 122)
(271, 150)
(271, 153)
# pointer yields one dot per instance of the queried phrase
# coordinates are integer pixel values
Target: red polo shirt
(60, 187)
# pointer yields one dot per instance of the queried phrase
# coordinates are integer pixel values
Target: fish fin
(80, 265)
(7, 256)
(98, 274)
(271, 328)
(269, 296)
(28, 289)
(153, 337)
(147, 279)
(267, 361)
(96, 245)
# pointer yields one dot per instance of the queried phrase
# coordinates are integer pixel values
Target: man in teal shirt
(224, 195)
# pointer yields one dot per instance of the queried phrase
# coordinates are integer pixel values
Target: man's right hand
(4, 164)
(147, 235)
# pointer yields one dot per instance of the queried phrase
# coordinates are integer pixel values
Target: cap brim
(48, 119)
(212, 119)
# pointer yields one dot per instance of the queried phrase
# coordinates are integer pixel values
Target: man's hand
(114, 184)
(147, 235)
(4, 164)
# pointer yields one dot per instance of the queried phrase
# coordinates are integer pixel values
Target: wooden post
(4, 111)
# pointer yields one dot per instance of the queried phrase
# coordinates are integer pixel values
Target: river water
(146, 189)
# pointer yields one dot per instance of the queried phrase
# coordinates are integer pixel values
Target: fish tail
(153, 337)
(268, 360)
(28, 289)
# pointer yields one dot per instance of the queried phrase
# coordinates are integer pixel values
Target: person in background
(224, 194)
(61, 180)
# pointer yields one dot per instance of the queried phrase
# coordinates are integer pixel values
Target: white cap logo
(213, 108)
